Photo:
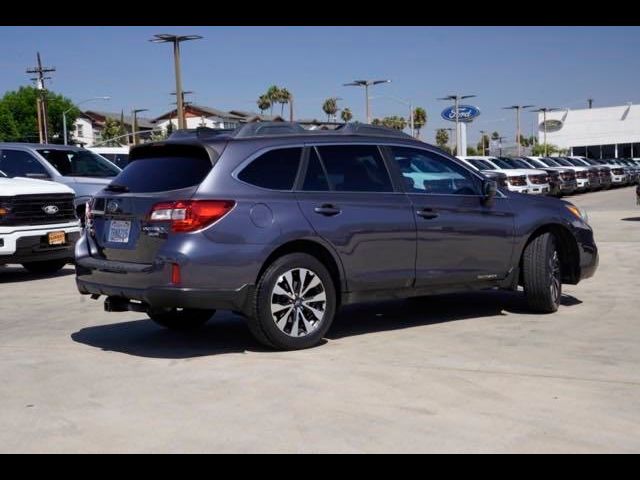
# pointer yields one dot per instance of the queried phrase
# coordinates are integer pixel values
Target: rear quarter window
(276, 169)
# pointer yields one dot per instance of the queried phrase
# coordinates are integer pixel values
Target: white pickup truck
(38, 224)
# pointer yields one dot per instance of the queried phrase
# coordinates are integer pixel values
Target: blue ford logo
(50, 209)
(466, 113)
(112, 206)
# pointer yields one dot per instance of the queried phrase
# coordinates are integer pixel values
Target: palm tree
(495, 136)
(346, 115)
(442, 137)
(263, 103)
(419, 119)
(376, 121)
(284, 99)
(273, 94)
(330, 107)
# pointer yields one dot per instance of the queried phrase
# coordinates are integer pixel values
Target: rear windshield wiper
(114, 187)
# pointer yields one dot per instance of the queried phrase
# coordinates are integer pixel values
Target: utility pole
(41, 100)
(590, 101)
(291, 107)
(544, 111)
(518, 109)
(176, 40)
(456, 99)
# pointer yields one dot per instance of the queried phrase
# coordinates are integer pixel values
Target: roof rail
(357, 128)
(200, 133)
(257, 129)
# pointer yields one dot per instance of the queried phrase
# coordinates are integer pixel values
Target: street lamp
(134, 124)
(176, 39)
(517, 108)
(404, 102)
(366, 84)
(456, 99)
(544, 111)
(64, 114)
(482, 132)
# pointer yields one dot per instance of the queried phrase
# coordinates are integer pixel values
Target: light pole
(404, 102)
(134, 124)
(456, 99)
(482, 132)
(544, 111)
(366, 84)
(176, 39)
(64, 114)
(518, 109)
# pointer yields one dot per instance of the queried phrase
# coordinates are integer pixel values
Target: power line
(41, 99)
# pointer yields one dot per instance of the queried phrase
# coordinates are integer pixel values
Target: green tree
(376, 121)
(263, 103)
(442, 137)
(330, 107)
(273, 94)
(419, 120)
(495, 136)
(539, 149)
(9, 131)
(112, 130)
(485, 139)
(472, 151)
(346, 115)
(283, 99)
(21, 105)
(395, 122)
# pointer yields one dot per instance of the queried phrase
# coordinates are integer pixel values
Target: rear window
(158, 174)
(275, 170)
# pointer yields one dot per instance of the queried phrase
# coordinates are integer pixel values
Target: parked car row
(557, 176)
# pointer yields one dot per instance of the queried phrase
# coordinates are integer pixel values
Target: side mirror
(489, 189)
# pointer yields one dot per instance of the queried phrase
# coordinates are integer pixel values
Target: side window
(355, 168)
(315, 179)
(427, 172)
(16, 163)
(276, 169)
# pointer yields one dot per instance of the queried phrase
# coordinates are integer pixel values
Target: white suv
(38, 224)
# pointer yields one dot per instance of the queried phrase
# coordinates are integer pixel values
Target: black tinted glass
(315, 180)
(159, 174)
(79, 163)
(16, 163)
(276, 169)
(356, 168)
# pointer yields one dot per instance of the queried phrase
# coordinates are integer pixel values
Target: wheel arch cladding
(567, 248)
(316, 250)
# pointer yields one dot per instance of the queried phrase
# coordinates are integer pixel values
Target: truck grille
(582, 174)
(617, 171)
(519, 181)
(30, 209)
(568, 176)
(538, 179)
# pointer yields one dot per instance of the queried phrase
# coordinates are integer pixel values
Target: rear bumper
(169, 297)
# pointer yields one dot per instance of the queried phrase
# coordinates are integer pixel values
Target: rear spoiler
(175, 149)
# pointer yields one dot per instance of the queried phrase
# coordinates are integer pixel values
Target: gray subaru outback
(285, 225)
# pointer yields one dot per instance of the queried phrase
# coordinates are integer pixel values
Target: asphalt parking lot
(463, 373)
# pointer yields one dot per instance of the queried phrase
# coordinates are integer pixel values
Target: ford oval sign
(50, 209)
(466, 113)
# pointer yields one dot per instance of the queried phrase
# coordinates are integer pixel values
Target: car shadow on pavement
(631, 219)
(15, 274)
(228, 333)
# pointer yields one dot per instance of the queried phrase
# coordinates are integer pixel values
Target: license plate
(119, 231)
(57, 238)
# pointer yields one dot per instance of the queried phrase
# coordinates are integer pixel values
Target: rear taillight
(190, 215)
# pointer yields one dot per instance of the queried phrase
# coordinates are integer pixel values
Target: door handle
(427, 213)
(327, 210)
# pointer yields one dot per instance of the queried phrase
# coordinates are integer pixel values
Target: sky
(231, 66)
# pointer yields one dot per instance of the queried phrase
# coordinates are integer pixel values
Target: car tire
(294, 303)
(48, 266)
(542, 276)
(181, 319)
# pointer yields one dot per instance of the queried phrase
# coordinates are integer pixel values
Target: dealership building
(608, 132)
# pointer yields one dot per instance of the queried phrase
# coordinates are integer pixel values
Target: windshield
(502, 164)
(2, 174)
(79, 163)
(590, 161)
(519, 163)
(576, 162)
(481, 164)
(562, 161)
(537, 163)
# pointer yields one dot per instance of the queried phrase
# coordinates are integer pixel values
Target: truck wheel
(181, 318)
(48, 266)
(294, 303)
(541, 274)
